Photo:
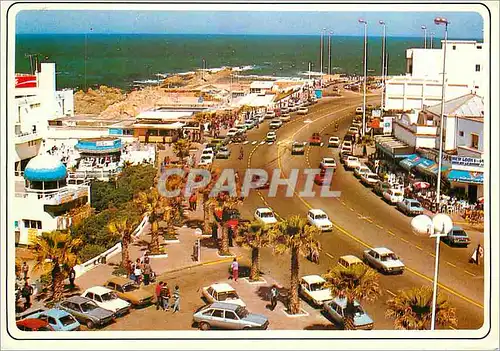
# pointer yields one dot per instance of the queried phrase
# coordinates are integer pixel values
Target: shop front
(467, 177)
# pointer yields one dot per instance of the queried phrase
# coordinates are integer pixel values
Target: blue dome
(44, 168)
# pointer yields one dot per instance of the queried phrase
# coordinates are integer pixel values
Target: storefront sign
(467, 163)
(104, 143)
(376, 113)
(387, 125)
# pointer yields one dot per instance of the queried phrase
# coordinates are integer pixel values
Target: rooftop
(221, 287)
(382, 250)
(98, 290)
(469, 105)
(311, 279)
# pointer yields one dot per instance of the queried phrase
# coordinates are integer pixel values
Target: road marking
(390, 292)
(469, 273)
(379, 226)
(254, 142)
(321, 144)
(391, 233)
(418, 247)
(451, 264)
(452, 328)
(352, 209)
(403, 239)
(326, 253)
(430, 253)
(245, 142)
(368, 220)
(343, 203)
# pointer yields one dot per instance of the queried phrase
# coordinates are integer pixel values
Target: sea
(120, 59)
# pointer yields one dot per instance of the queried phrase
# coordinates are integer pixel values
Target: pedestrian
(234, 268)
(26, 293)
(138, 274)
(177, 300)
(191, 202)
(195, 201)
(72, 276)
(25, 270)
(165, 292)
(158, 294)
(147, 271)
(477, 254)
(274, 297)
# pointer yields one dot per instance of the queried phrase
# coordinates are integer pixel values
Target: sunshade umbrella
(481, 200)
(421, 185)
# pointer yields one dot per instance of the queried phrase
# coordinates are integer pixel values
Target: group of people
(140, 271)
(163, 296)
(26, 289)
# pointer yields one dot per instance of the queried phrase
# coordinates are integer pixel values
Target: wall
(469, 126)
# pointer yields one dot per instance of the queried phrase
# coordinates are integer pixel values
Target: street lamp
(437, 227)
(321, 51)
(383, 68)
(364, 82)
(330, 53)
(432, 37)
(425, 36)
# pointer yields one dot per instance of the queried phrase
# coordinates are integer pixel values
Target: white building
(261, 87)
(32, 108)
(466, 64)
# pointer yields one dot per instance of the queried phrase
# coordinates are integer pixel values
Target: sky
(405, 24)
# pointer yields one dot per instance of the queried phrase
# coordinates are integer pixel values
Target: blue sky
(463, 24)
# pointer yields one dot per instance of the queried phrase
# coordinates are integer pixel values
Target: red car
(255, 179)
(315, 139)
(321, 178)
(34, 324)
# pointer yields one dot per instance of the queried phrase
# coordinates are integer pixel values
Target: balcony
(21, 138)
(57, 197)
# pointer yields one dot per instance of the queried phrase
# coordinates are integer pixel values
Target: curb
(227, 259)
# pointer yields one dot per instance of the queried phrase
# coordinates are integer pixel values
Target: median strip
(390, 292)
(451, 264)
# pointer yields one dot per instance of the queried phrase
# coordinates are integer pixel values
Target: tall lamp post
(364, 81)
(383, 67)
(425, 36)
(330, 53)
(321, 51)
(432, 37)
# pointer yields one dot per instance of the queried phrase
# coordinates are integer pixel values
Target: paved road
(362, 219)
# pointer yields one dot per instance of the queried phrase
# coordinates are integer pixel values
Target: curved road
(360, 217)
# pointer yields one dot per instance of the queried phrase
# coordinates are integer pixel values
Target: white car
(293, 107)
(384, 260)
(275, 124)
(393, 196)
(285, 117)
(232, 132)
(271, 136)
(270, 114)
(265, 215)
(352, 162)
(242, 128)
(319, 219)
(359, 110)
(328, 162)
(207, 151)
(206, 160)
(353, 130)
(312, 289)
(357, 124)
(333, 141)
(285, 110)
(107, 299)
(360, 170)
(303, 111)
(347, 144)
(260, 117)
(222, 292)
(370, 178)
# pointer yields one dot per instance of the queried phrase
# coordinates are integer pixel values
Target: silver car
(222, 315)
(384, 260)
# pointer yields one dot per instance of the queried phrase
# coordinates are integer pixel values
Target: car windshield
(109, 296)
(358, 311)
(459, 233)
(228, 295)
(267, 215)
(67, 320)
(206, 157)
(397, 193)
(88, 306)
(321, 216)
(372, 176)
(129, 287)
(414, 204)
(317, 286)
(388, 257)
(242, 312)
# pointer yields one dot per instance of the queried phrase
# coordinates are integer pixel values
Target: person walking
(26, 294)
(25, 269)
(234, 269)
(177, 300)
(274, 297)
(72, 276)
(147, 271)
(165, 292)
(158, 294)
(138, 273)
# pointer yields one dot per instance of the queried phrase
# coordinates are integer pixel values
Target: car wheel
(204, 326)
(90, 324)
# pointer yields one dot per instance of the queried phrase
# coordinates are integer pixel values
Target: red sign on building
(26, 81)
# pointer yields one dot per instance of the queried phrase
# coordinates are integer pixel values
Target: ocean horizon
(120, 59)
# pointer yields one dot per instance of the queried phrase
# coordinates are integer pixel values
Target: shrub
(90, 251)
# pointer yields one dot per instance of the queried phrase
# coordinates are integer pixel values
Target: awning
(460, 176)
(412, 161)
(430, 167)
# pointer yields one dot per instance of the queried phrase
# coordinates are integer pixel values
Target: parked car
(344, 155)
(242, 129)
(312, 288)
(208, 151)
(33, 324)
(356, 124)
(260, 117)
(223, 152)
(86, 311)
(380, 187)
(107, 299)
(298, 148)
(360, 170)
(328, 162)
(206, 160)
(271, 137)
(222, 292)
(321, 178)
(249, 124)
(393, 196)
(319, 219)
(270, 115)
(265, 215)
(303, 111)
(370, 179)
(275, 124)
(315, 139)
(457, 237)
(232, 132)
(59, 320)
(359, 110)
(127, 290)
(384, 260)
(352, 162)
(285, 117)
(284, 111)
(228, 316)
(349, 261)
(336, 309)
(410, 207)
(333, 141)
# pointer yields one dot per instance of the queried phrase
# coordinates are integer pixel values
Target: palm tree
(294, 234)
(254, 236)
(412, 309)
(56, 252)
(358, 282)
(181, 148)
(226, 204)
(124, 227)
(153, 204)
